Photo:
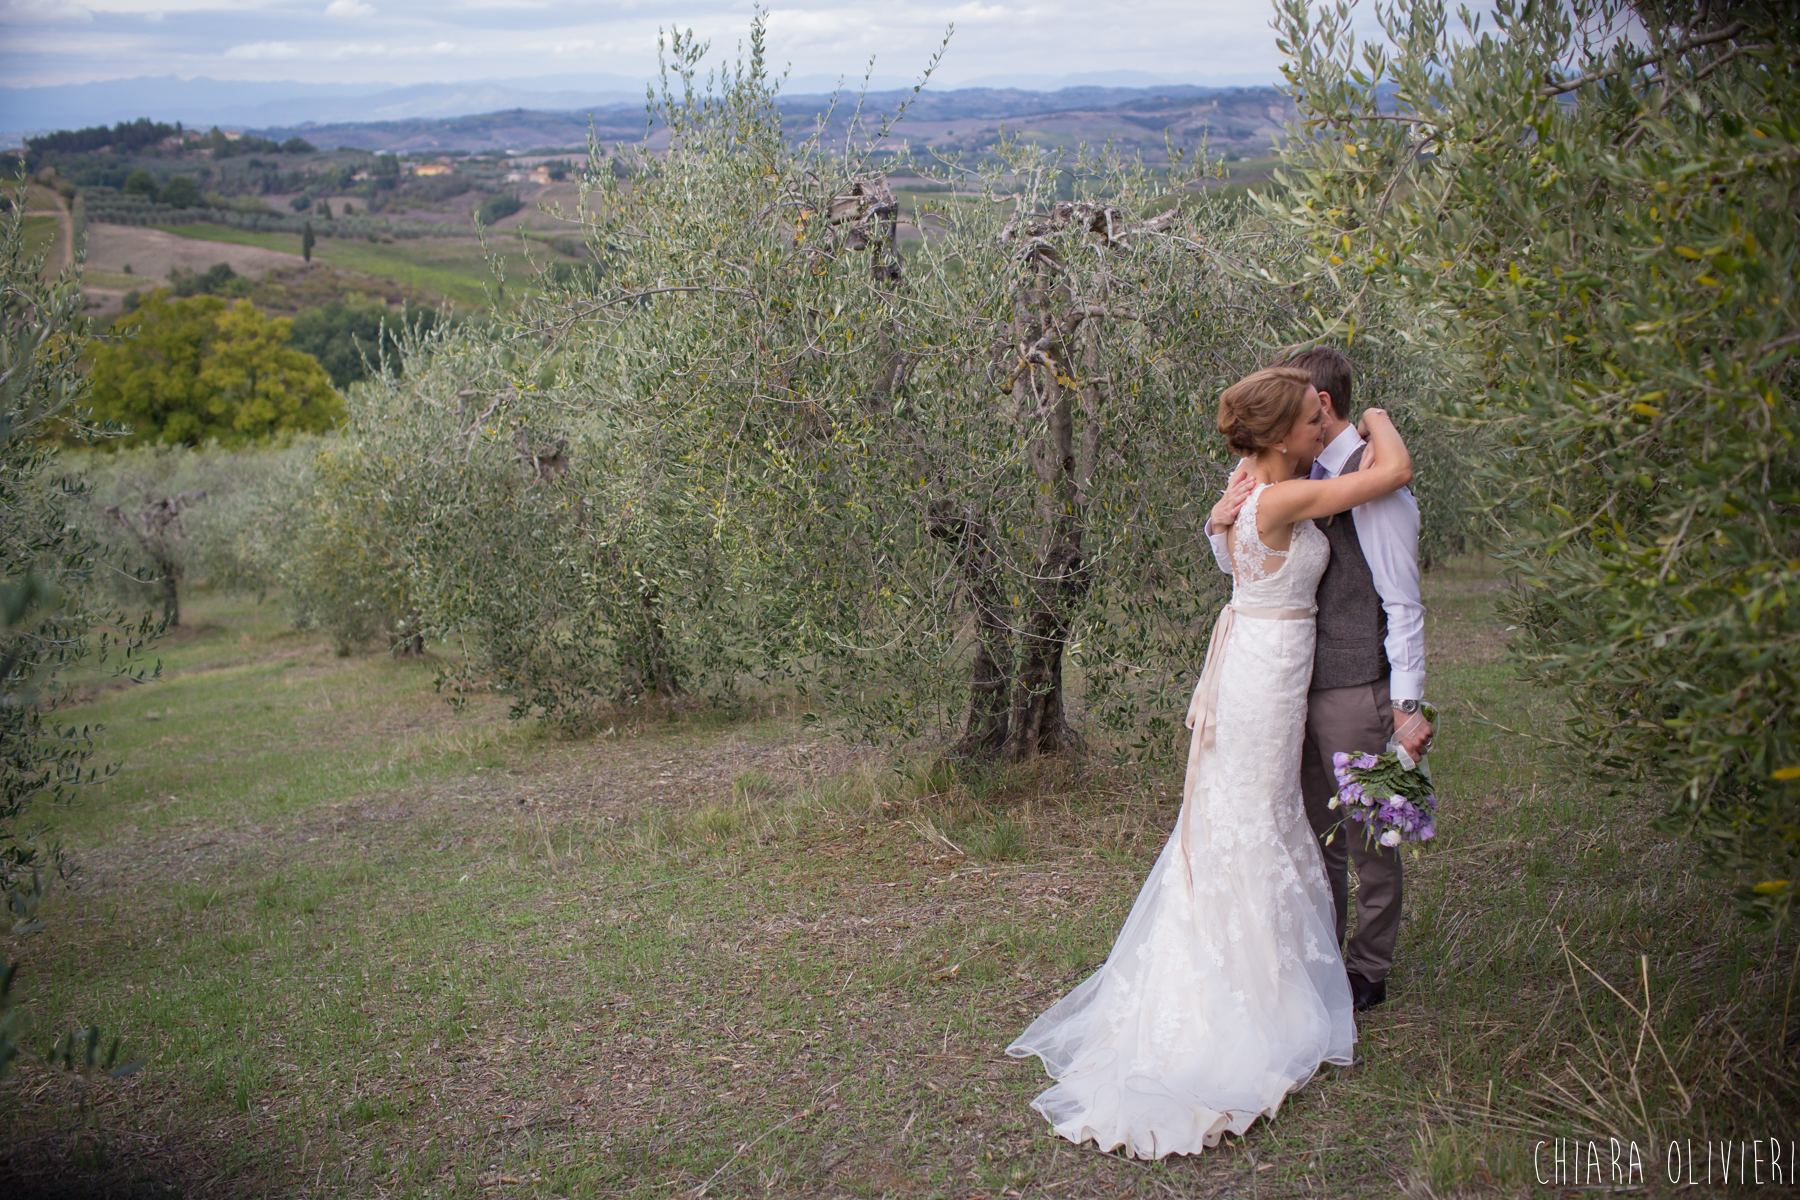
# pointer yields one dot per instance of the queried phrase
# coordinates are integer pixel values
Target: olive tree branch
(1643, 60)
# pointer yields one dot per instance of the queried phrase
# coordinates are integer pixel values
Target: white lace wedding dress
(1224, 992)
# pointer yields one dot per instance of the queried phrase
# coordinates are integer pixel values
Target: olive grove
(947, 472)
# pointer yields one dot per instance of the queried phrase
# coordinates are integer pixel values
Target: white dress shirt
(1387, 529)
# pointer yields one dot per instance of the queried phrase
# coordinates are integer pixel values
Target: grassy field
(454, 268)
(368, 945)
(43, 235)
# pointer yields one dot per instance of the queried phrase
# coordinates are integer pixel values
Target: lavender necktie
(1318, 470)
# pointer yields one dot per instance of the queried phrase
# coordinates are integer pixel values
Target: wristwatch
(1408, 706)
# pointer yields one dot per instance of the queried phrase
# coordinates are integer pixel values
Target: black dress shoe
(1366, 995)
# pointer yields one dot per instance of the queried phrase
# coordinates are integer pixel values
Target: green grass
(110, 279)
(287, 243)
(368, 945)
(42, 233)
(454, 268)
(232, 730)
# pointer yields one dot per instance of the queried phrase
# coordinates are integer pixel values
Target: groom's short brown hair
(1331, 371)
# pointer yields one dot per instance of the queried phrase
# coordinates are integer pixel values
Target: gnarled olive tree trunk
(157, 529)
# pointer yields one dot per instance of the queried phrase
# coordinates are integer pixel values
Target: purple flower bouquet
(1391, 803)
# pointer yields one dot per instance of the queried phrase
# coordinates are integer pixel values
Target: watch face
(1408, 706)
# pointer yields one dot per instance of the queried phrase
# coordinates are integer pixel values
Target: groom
(1368, 669)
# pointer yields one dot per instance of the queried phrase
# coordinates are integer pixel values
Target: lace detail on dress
(1249, 556)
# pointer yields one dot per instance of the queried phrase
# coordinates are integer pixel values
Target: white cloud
(977, 13)
(244, 9)
(353, 50)
(51, 41)
(43, 12)
(264, 50)
(791, 21)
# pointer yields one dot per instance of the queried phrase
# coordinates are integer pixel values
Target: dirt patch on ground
(153, 253)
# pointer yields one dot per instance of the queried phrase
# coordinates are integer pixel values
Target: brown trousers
(1353, 719)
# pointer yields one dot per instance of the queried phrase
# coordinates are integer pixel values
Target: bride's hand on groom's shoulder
(1236, 492)
(1362, 422)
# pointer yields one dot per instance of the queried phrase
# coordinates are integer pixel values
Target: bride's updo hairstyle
(1258, 410)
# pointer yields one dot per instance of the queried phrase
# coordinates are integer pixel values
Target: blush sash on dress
(1206, 693)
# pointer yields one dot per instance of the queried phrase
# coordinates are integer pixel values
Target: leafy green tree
(217, 280)
(141, 183)
(1598, 234)
(353, 338)
(298, 145)
(307, 240)
(495, 207)
(157, 529)
(181, 192)
(925, 464)
(191, 370)
(127, 137)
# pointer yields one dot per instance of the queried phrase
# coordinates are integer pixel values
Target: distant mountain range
(251, 105)
(1134, 120)
(267, 105)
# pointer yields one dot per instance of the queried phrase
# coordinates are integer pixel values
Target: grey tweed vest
(1352, 647)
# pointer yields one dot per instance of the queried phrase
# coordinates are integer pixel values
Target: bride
(1224, 991)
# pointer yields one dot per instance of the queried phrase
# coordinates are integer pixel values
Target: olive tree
(964, 453)
(180, 517)
(482, 500)
(50, 617)
(1588, 209)
(944, 465)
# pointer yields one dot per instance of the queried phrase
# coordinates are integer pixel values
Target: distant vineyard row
(117, 208)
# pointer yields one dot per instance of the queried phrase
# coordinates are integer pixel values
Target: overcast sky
(416, 41)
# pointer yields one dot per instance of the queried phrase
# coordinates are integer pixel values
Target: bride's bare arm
(1374, 456)
(1386, 467)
